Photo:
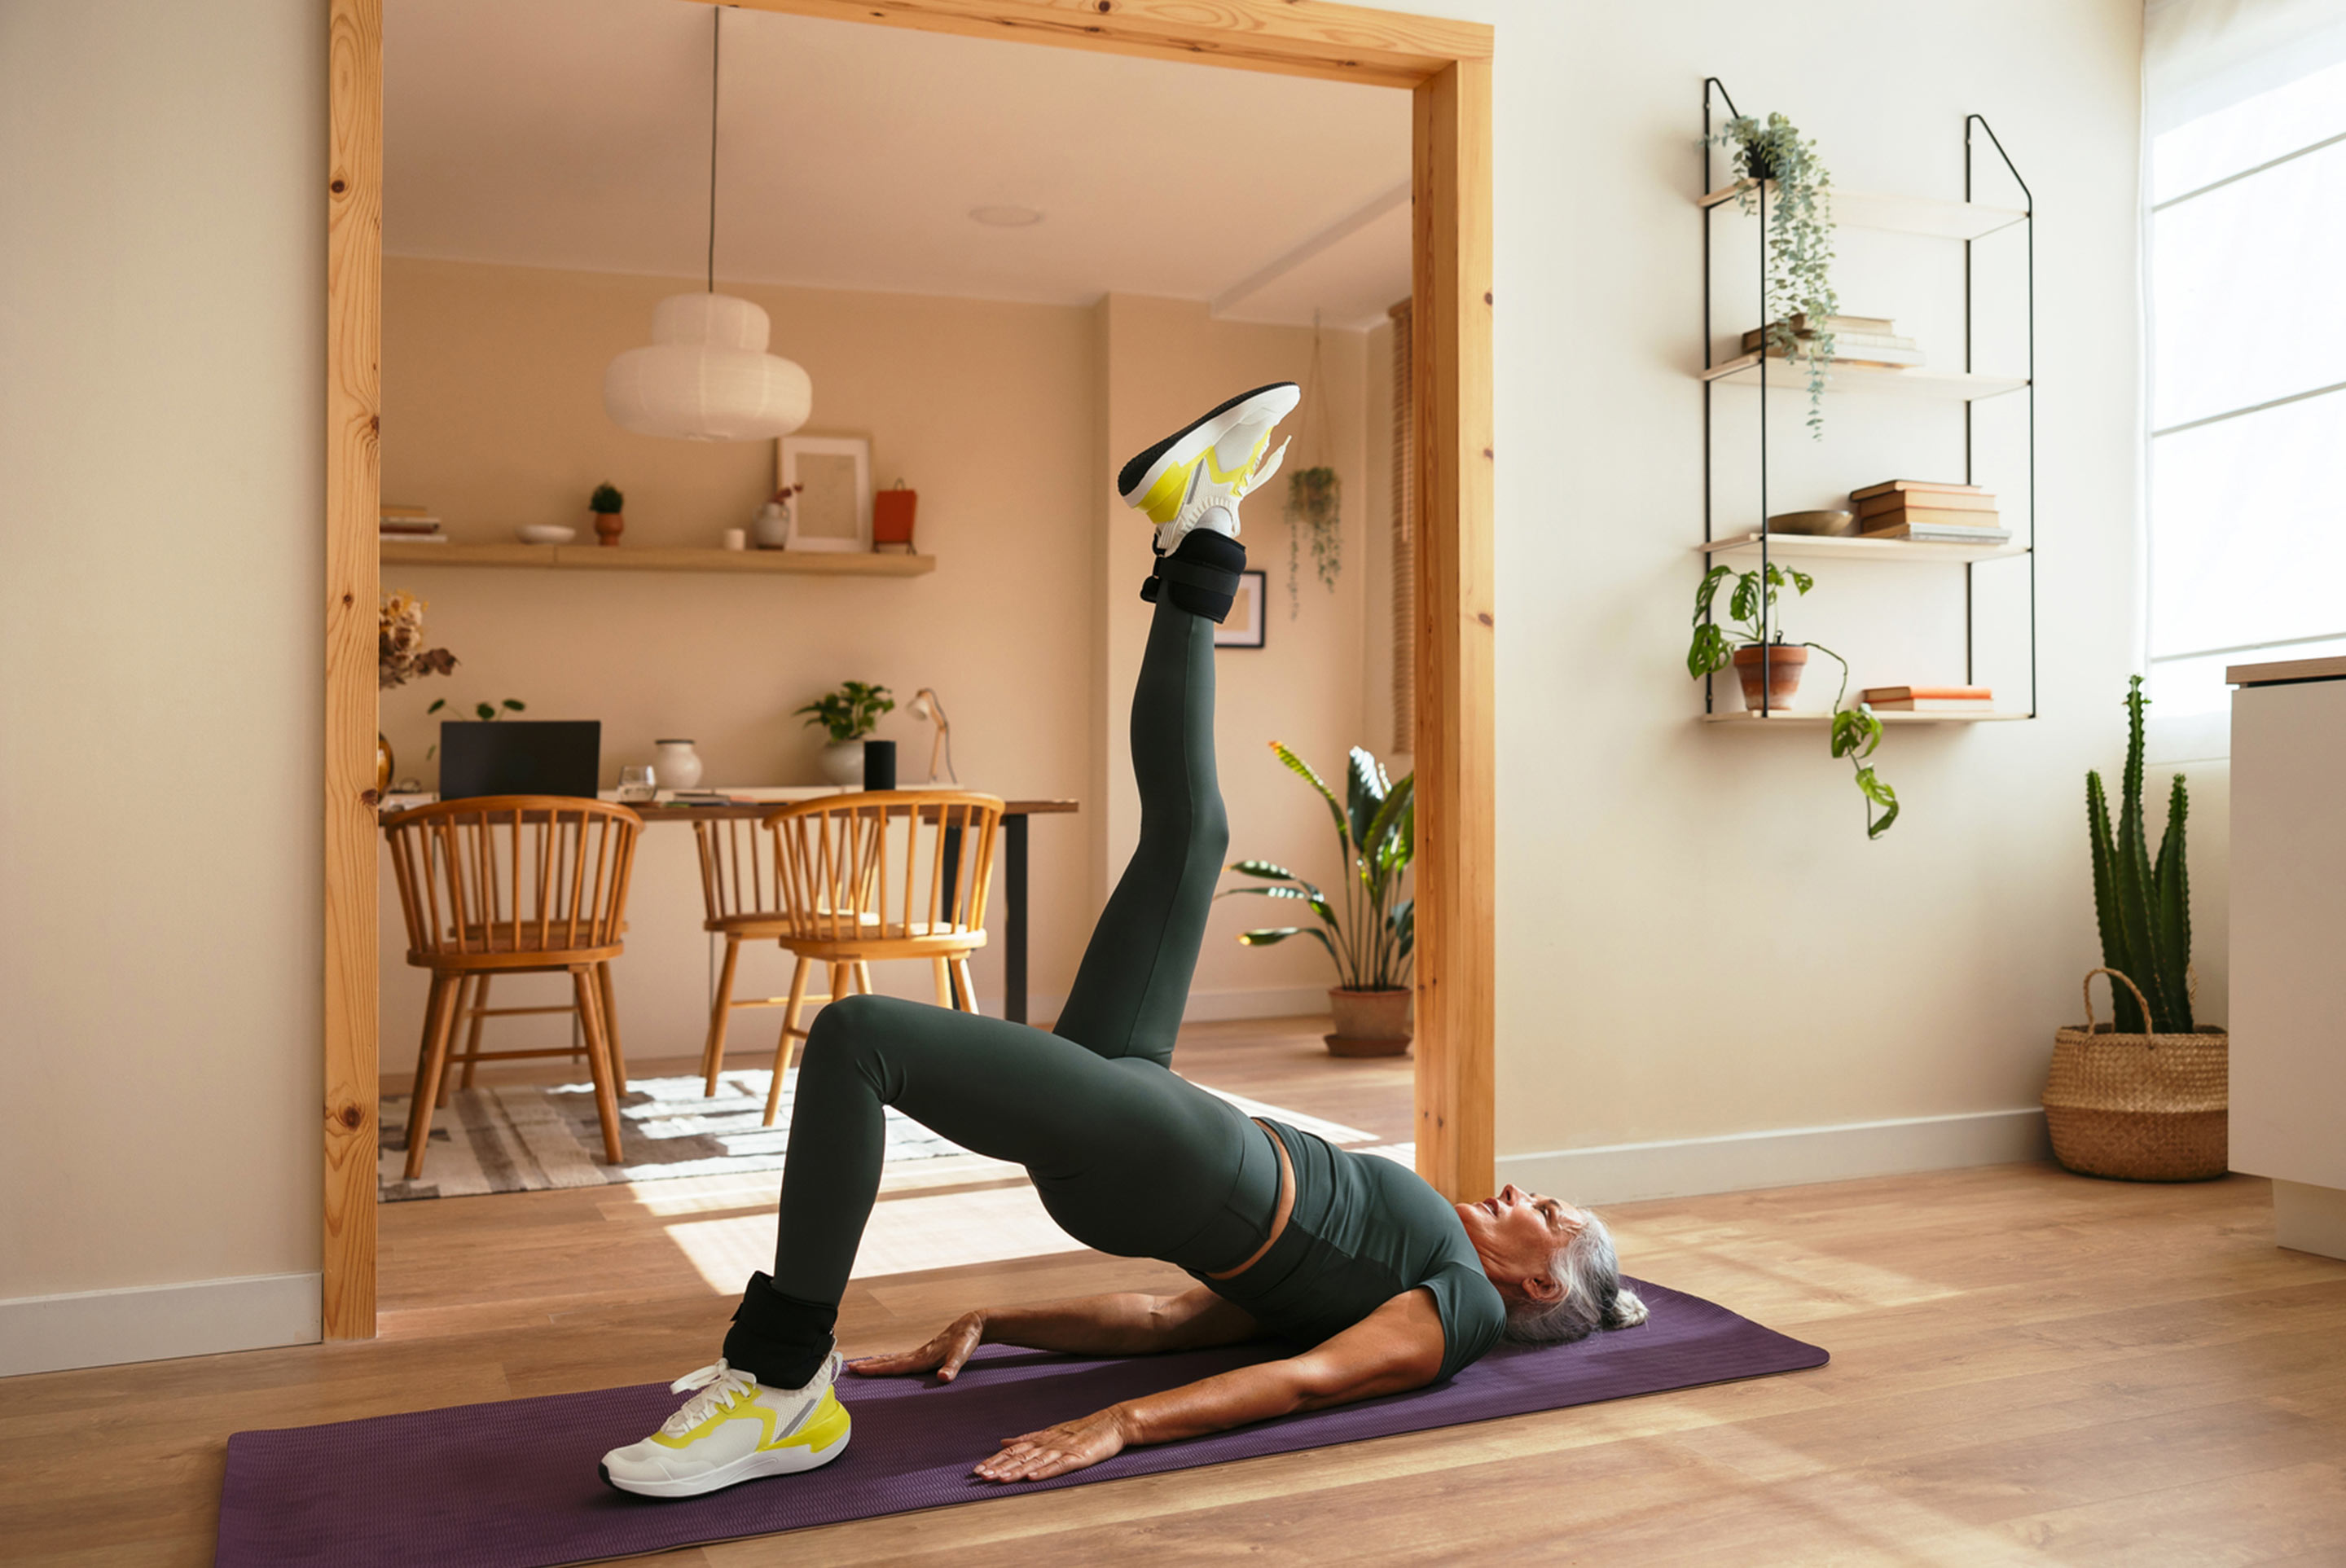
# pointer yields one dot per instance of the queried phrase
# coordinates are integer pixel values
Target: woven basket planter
(2139, 1107)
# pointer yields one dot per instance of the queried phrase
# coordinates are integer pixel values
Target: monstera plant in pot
(1370, 931)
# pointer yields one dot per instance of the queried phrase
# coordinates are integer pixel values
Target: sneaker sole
(1139, 475)
(757, 1466)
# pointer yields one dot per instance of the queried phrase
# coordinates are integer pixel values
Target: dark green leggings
(1129, 1157)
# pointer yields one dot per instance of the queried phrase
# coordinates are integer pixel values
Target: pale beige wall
(161, 354)
(493, 417)
(1166, 361)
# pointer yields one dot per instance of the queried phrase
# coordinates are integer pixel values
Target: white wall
(162, 308)
(1696, 939)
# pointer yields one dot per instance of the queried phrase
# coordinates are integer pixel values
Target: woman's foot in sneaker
(732, 1429)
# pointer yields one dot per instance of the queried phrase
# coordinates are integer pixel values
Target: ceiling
(574, 134)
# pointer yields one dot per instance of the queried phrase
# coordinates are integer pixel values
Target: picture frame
(1245, 627)
(833, 512)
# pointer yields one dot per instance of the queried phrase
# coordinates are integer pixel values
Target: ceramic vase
(676, 765)
(843, 763)
(770, 528)
(608, 526)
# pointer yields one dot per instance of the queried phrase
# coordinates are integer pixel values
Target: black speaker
(879, 764)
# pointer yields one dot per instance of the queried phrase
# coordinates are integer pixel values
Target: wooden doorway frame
(1446, 67)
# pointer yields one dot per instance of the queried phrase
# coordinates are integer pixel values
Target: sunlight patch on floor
(951, 1230)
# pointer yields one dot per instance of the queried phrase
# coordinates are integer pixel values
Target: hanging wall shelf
(1963, 221)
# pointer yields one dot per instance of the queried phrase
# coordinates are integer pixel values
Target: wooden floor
(2028, 1367)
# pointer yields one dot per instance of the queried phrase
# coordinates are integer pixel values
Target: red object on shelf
(891, 518)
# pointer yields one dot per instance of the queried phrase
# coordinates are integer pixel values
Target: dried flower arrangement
(401, 655)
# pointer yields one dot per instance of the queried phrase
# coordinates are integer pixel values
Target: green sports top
(1364, 1230)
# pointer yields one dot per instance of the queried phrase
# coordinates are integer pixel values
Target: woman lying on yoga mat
(1285, 1233)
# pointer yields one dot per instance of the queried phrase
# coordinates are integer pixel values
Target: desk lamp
(925, 705)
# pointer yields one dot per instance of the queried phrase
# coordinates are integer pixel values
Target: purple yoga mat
(513, 1484)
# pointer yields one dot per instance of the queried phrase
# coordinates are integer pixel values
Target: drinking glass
(636, 783)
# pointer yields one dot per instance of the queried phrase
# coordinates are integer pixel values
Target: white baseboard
(2309, 1219)
(1783, 1156)
(157, 1322)
(1203, 1006)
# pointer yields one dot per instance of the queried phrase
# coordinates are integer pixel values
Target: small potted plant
(1766, 660)
(2145, 1097)
(606, 503)
(1373, 939)
(847, 715)
(1797, 280)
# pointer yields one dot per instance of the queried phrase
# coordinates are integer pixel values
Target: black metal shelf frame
(1714, 90)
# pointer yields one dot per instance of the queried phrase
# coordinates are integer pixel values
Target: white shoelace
(720, 1386)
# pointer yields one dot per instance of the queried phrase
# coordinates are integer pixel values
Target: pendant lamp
(707, 375)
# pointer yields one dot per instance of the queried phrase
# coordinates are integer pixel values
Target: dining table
(753, 804)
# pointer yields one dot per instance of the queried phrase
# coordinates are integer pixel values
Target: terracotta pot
(1784, 667)
(608, 526)
(1369, 1022)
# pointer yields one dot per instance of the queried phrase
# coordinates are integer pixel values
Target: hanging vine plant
(1798, 275)
(1315, 495)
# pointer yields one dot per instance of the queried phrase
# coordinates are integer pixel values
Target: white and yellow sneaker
(1195, 477)
(733, 1430)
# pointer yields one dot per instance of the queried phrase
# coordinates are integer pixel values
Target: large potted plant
(1755, 646)
(2145, 1097)
(1372, 939)
(847, 715)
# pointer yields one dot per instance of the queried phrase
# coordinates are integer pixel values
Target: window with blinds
(2248, 380)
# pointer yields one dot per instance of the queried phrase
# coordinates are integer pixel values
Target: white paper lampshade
(707, 375)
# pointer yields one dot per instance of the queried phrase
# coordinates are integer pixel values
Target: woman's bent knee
(849, 1026)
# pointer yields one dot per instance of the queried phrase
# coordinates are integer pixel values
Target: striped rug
(528, 1137)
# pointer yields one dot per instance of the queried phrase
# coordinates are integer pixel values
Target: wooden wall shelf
(1899, 214)
(655, 558)
(1811, 716)
(1850, 547)
(1792, 375)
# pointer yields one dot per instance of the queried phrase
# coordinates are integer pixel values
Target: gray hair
(1594, 1297)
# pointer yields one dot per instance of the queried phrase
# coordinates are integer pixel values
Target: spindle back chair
(513, 884)
(847, 880)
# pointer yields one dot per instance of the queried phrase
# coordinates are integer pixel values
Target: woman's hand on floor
(1056, 1450)
(942, 1355)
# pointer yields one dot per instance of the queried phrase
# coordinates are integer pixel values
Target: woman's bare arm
(1396, 1347)
(1128, 1324)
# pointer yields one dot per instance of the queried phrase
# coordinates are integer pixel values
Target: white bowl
(545, 534)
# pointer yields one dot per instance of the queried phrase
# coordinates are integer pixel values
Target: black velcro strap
(1212, 579)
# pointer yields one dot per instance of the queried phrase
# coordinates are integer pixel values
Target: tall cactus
(2144, 907)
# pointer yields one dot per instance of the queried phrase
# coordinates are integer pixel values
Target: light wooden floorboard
(2028, 1367)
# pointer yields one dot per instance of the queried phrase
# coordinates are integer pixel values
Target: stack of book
(412, 523)
(1928, 513)
(1973, 699)
(1857, 341)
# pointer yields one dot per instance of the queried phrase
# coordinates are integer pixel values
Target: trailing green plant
(1374, 938)
(1314, 509)
(850, 712)
(2142, 906)
(1797, 271)
(606, 499)
(484, 712)
(1750, 615)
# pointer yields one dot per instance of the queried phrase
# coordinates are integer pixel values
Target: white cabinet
(2289, 944)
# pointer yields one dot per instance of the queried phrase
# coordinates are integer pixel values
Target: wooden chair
(846, 882)
(513, 884)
